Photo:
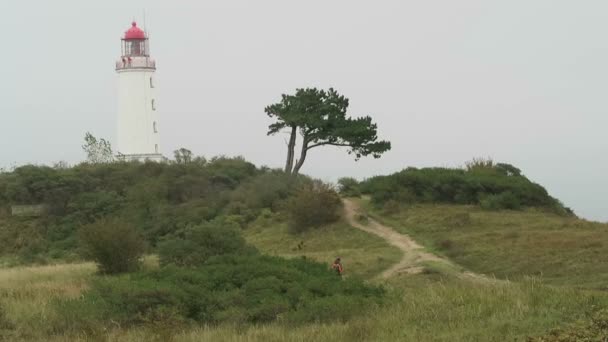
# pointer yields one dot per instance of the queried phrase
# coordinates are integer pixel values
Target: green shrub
(158, 198)
(496, 185)
(349, 187)
(114, 245)
(505, 200)
(313, 206)
(195, 245)
(267, 190)
(235, 289)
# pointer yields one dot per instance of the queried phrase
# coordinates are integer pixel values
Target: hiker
(337, 266)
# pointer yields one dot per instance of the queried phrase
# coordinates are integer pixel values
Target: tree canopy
(97, 150)
(321, 119)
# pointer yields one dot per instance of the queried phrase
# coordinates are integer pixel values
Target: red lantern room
(135, 50)
(135, 42)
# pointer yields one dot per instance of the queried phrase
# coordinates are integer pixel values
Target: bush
(349, 187)
(234, 289)
(114, 245)
(499, 186)
(197, 244)
(313, 206)
(505, 200)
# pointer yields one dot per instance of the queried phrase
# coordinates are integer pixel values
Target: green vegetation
(320, 118)
(195, 245)
(160, 200)
(235, 289)
(192, 213)
(243, 255)
(364, 255)
(594, 330)
(97, 150)
(313, 206)
(349, 187)
(511, 244)
(115, 246)
(493, 186)
(425, 307)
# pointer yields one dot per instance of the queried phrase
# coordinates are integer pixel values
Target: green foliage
(182, 156)
(98, 151)
(114, 245)
(479, 164)
(269, 190)
(504, 200)
(157, 198)
(349, 187)
(196, 245)
(320, 117)
(234, 289)
(493, 186)
(313, 206)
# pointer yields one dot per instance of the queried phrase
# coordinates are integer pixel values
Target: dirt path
(413, 253)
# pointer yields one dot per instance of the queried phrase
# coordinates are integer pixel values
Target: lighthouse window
(155, 148)
(151, 83)
(154, 127)
(153, 105)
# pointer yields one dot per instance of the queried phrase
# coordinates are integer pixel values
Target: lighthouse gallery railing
(136, 64)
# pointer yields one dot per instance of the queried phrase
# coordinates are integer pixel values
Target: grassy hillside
(511, 244)
(425, 307)
(363, 255)
(208, 285)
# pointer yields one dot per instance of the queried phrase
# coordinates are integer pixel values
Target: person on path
(337, 266)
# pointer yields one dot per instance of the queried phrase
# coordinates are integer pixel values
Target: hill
(548, 264)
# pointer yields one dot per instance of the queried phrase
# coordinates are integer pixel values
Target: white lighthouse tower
(138, 125)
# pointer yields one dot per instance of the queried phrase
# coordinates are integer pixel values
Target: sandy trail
(413, 253)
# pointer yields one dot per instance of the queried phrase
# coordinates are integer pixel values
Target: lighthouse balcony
(135, 63)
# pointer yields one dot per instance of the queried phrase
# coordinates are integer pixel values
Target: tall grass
(433, 306)
(429, 307)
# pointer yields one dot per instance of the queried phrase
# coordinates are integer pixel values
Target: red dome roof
(135, 32)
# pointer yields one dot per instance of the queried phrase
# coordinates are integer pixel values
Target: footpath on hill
(414, 255)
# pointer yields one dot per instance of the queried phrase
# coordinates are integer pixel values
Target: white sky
(522, 81)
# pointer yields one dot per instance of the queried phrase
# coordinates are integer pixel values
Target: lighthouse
(138, 130)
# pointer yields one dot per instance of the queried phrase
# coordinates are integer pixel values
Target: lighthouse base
(155, 157)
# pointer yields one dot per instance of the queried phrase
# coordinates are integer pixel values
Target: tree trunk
(300, 161)
(290, 149)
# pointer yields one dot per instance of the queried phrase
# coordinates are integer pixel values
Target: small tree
(114, 245)
(182, 156)
(98, 151)
(320, 117)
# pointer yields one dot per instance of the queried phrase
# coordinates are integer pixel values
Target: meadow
(560, 250)
(431, 306)
(225, 223)
(424, 307)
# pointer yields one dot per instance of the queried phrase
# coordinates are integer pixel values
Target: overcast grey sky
(521, 81)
